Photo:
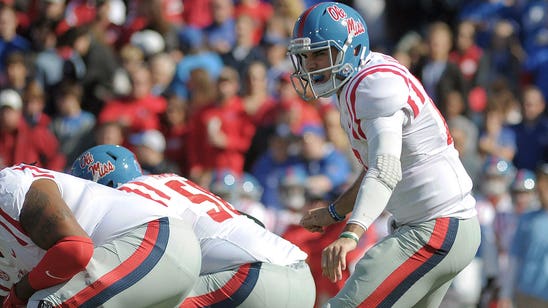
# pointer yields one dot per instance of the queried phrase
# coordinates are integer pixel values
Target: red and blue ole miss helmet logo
(107, 164)
(324, 26)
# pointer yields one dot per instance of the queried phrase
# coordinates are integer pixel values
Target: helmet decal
(354, 27)
(97, 169)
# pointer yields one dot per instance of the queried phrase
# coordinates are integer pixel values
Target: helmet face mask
(341, 32)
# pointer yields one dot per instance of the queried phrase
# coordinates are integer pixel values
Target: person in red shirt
(260, 10)
(20, 143)
(229, 128)
(139, 111)
(175, 130)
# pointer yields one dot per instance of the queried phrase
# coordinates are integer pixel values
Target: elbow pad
(387, 170)
(61, 262)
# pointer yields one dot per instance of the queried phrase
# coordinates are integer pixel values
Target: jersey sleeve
(381, 95)
(14, 185)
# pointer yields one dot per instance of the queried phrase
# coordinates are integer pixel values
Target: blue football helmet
(107, 164)
(319, 28)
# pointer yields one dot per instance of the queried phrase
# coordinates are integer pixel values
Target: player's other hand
(334, 258)
(316, 219)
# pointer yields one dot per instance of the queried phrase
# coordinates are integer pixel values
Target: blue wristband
(333, 213)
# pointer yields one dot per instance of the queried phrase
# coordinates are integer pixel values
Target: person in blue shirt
(329, 170)
(531, 134)
(270, 166)
(528, 285)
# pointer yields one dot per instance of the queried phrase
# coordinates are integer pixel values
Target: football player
(68, 242)
(411, 168)
(243, 264)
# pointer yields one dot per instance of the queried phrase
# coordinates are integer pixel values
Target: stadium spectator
(72, 126)
(504, 56)
(260, 11)
(109, 133)
(293, 110)
(261, 107)
(229, 128)
(468, 55)
(244, 51)
(162, 71)
(532, 132)
(149, 147)
(271, 165)
(138, 111)
(20, 143)
(47, 64)
(16, 74)
(195, 56)
(90, 62)
(496, 138)
(439, 75)
(10, 40)
(34, 105)
(494, 205)
(466, 144)
(202, 96)
(329, 171)
(174, 127)
(527, 286)
(220, 34)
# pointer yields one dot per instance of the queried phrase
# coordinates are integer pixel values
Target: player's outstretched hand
(316, 219)
(334, 258)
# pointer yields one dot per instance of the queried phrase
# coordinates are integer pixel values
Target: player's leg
(438, 279)
(144, 267)
(283, 286)
(229, 288)
(394, 265)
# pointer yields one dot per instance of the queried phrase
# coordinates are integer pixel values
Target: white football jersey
(434, 182)
(227, 238)
(104, 213)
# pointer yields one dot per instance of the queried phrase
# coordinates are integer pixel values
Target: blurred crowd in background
(201, 88)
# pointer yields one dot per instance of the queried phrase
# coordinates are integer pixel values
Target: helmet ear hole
(357, 50)
(110, 184)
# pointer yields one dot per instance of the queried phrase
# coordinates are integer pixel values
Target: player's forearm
(345, 202)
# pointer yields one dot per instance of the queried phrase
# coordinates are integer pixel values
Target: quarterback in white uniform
(71, 242)
(411, 168)
(243, 264)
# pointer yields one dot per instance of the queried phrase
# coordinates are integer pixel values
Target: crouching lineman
(74, 243)
(243, 264)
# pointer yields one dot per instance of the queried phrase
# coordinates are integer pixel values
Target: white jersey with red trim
(104, 213)
(434, 182)
(227, 238)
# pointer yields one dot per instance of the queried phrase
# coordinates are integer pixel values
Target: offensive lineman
(243, 264)
(411, 167)
(69, 242)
